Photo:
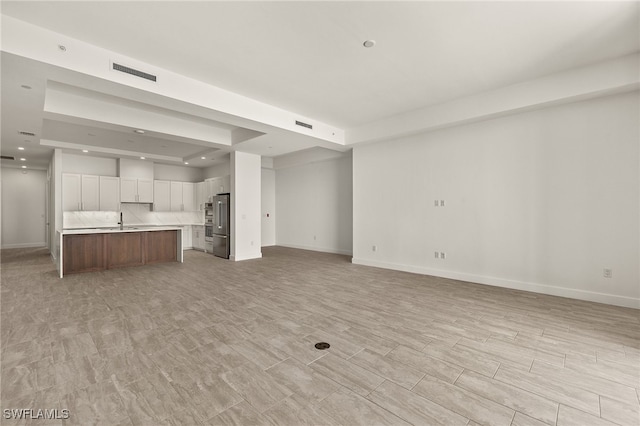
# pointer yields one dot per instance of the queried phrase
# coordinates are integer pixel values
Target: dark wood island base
(100, 251)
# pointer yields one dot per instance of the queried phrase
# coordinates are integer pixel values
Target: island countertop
(116, 229)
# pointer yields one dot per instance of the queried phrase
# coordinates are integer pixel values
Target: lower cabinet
(84, 253)
(198, 237)
(162, 246)
(97, 252)
(125, 249)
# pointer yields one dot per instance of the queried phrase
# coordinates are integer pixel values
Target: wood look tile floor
(217, 342)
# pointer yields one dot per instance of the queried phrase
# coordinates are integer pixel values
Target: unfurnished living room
(320, 213)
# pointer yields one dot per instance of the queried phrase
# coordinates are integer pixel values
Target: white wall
(268, 222)
(540, 201)
(218, 170)
(88, 165)
(139, 169)
(315, 206)
(245, 206)
(23, 208)
(177, 173)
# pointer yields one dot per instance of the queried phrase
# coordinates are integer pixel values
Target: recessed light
(369, 43)
(25, 86)
(203, 158)
(23, 159)
(20, 148)
(186, 162)
(24, 167)
(139, 131)
(143, 158)
(62, 47)
(85, 151)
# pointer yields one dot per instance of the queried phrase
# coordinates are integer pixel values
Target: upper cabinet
(80, 192)
(217, 185)
(134, 190)
(200, 195)
(189, 197)
(109, 193)
(183, 197)
(174, 196)
(71, 192)
(161, 195)
(89, 192)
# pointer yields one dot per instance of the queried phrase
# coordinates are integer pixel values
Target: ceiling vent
(7, 157)
(134, 72)
(300, 123)
(26, 133)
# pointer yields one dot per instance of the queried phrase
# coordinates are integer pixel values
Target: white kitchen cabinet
(109, 193)
(187, 238)
(176, 197)
(80, 192)
(161, 195)
(225, 184)
(134, 190)
(210, 188)
(182, 197)
(188, 197)
(198, 237)
(200, 195)
(145, 191)
(217, 185)
(90, 190)
(71, 192)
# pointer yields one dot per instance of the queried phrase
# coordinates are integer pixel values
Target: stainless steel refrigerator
(217, 221)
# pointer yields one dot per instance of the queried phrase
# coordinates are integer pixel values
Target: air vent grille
(7, 157)
(300, 123)
(26, 133)
(134, 72)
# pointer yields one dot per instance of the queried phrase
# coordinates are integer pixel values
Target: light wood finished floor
(216, 342)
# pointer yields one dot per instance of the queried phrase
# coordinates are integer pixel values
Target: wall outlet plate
(607, 272)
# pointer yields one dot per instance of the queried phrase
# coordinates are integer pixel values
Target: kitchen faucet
(121, 223)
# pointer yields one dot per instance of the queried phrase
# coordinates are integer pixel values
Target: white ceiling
(308, 58)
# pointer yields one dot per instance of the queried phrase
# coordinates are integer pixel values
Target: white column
(245, 206)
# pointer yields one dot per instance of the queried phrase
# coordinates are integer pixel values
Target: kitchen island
(98, 249)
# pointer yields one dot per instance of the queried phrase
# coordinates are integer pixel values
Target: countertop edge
(117, 230)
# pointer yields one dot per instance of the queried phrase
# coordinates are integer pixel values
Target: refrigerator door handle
(219, 214)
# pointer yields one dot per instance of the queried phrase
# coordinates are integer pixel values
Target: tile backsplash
(133, 214)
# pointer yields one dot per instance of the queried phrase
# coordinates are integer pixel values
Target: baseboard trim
(320, 249)
(591, 296)
(242, 257)
(24, 245)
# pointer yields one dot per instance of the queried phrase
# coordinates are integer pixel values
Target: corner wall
(315, 206)
(540, 201)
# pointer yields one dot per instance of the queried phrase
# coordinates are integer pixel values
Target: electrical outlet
(374, 248)
(441, 203)
(607, 272)
(436, 254)
(443, 255)
(435, 203)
